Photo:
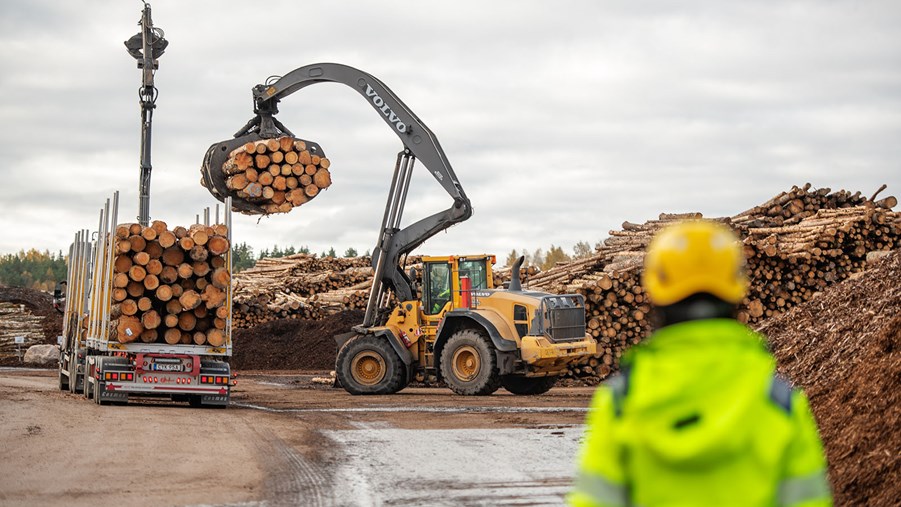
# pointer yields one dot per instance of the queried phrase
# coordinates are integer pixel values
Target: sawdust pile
(844, 348)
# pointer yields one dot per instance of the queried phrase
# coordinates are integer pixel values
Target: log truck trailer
(94, 363)
(461, 330)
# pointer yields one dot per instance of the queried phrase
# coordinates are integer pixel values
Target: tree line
(553, 256)
(32, 269)
(243, 256)
(39, 270)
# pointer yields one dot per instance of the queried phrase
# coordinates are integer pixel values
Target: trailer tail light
(222, 380)
(127, 376)
(111, 375)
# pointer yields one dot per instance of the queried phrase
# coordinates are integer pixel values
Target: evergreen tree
(554, 255)
(581, 250)
(511, 257)
(242, 257)
(350, 252)
(331, 252)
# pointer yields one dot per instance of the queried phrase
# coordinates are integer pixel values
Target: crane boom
(419, 143)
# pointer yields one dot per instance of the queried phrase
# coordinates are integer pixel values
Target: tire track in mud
(291, 479)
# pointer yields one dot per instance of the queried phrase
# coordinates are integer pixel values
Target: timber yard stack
(797, 243)
(170, 285)
(277, 174)
(300, 286)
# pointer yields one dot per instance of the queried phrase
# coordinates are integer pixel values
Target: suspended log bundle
(796, 244)
(170, 285)
(276, 174)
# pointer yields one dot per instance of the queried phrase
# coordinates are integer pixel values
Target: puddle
(505, 466)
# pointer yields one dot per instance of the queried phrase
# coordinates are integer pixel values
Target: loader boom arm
(419, 143)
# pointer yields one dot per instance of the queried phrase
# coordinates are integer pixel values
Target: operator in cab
(697, 415)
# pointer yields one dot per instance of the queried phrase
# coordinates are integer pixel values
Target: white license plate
(166, 367)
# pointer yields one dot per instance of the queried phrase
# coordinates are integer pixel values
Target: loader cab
(441, 287)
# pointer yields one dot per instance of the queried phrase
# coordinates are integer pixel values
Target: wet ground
(287, 441)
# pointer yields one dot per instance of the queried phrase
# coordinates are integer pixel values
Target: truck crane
(461, 330)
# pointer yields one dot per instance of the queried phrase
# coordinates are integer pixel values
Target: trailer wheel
(469, 364)
(96, 394)
(528, 386)
(367, 364)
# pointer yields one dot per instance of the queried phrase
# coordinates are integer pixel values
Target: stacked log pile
(797, 243)
(303, 286)
(300, 286)
(277, 174)
(170, 285)
(16, 320)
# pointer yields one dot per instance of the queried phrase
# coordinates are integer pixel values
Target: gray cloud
(561, 119)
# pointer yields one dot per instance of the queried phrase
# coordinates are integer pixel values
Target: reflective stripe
(801, 489)
(619, 386)
(781, 394)
(601, 490)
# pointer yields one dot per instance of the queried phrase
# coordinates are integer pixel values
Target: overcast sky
(561, 119)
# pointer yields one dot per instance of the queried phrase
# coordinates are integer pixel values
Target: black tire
(96, 393)
(528, 386)
(367, 364)
(469, 364)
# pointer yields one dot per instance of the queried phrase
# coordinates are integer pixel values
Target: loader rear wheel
(367, 364)
(528, 386)
(469, 364)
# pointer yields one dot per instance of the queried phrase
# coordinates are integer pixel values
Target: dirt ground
(287, 441)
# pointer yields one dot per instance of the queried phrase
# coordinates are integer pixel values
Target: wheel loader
(462, 331)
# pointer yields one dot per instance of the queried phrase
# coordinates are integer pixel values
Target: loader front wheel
(528, 386)
(469, 364)
(367, 364)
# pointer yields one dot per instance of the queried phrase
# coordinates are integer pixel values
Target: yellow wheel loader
(461, 330)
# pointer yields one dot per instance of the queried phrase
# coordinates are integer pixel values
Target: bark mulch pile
(292, 344)
(844, 348)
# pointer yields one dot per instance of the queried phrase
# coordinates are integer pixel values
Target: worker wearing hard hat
(697, 415)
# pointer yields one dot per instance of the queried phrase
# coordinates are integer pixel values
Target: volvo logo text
(386, 111)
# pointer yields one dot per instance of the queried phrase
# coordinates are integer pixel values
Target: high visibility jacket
(697, 417)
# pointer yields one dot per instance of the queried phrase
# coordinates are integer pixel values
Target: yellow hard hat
(693, 257)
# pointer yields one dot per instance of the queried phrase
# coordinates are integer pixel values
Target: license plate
(166, 367)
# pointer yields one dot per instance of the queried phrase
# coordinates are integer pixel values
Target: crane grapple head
(264, 176)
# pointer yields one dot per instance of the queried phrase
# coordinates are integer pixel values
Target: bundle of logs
(170, 285)
(276, 174)
(796, 244)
